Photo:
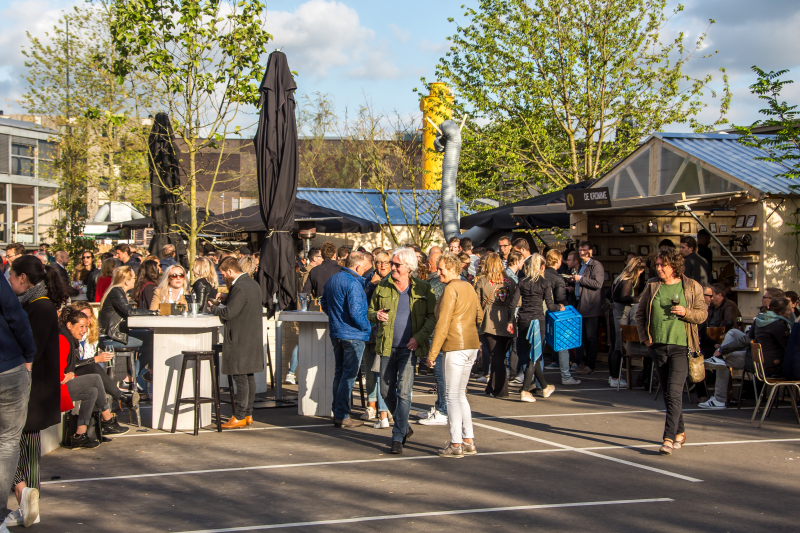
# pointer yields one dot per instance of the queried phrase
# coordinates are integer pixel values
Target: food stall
(675, 184)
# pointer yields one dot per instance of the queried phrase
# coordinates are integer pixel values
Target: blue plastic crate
(563, 329)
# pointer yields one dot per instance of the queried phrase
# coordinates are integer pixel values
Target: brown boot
(233, 423)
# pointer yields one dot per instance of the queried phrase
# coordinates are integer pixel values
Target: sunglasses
(709, 295)
(397, 265)
(87, 257)
(177, 276)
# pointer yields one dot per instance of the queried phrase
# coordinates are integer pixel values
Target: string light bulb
(650, 223)
(574, 226)
(596, 225)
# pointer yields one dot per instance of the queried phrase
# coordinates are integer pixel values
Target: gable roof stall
(676, 183)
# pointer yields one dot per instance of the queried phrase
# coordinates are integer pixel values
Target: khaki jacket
(458, 316)
(501, 301)
(423, 305)
(696, 311)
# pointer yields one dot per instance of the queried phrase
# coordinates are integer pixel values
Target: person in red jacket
(88, 389)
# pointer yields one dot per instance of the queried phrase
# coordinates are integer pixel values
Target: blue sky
(381, 49)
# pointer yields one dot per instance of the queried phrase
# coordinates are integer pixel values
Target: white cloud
(400, 34)
(430, 47)
(321, 35)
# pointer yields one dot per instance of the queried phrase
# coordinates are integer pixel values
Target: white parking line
(593, 454)
(414, 458)
(427, 514)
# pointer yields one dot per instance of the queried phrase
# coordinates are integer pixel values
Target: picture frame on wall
(604, 226)
(739, 222)
(640, 228)
(713, 227)
(653, 228)
(751, 221)
(686, 227)
(595, 250)
(607, 275)
(628, 228)
(667, 227)
(644, 250)
(615, 251)
(723, 228)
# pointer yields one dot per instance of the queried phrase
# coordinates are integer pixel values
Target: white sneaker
(482, 379)
(437, 419)
(526, 396)
(291, 379)
(549, 390)
(613, 383)
(518, 379)
(716, 361)
(369, 414)
(570, 381)
(712, 403)
(3, 528)
(381, 423)
(29, 506)
(13, 519)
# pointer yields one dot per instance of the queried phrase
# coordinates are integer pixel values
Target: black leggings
(498, 382)
(531, 371)
(108, 383)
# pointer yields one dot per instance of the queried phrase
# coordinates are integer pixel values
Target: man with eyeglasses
(403, 307)
(12, 252)
(504, 245)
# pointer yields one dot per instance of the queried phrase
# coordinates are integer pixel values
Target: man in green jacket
(403, 307)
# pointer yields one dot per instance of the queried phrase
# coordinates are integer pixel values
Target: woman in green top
(671, 307)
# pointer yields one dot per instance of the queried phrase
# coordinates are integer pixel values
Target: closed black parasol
(165, 177)
(276, 166)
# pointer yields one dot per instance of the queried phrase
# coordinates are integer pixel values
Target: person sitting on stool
(243, 355)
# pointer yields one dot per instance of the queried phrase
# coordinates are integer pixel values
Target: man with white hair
(168, 254)
(403, 307)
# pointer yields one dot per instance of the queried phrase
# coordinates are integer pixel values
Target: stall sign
(587, 199)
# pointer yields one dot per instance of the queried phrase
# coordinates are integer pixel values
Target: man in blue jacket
(345, 302)
(17, 350)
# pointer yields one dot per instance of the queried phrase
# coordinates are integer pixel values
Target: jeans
(672, 367)
(734, 360)
(397, 380)
(590, 343)
(457, 367)
(245, 394)
(293, 360)
(145, 355)
(89, 390)
(108, 384)
(373, 380)
(563, 364)
(15, 388)
(438, 372)
(347, 358)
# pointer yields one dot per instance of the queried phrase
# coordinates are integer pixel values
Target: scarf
(37, 291)
(768, 317)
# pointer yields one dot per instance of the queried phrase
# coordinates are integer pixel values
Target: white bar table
(315, 362)
(171, 336)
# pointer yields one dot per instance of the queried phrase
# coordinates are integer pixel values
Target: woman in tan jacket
(498, 296)
(458, 317)
(171, 289)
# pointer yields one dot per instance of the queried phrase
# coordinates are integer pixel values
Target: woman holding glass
(669, 311)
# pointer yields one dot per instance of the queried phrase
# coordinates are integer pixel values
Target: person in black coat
(41, 292)
(206, 285)
(589, 302)
(319, 276)
(243, 345)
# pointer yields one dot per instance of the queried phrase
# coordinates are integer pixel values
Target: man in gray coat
(243, 347)
(589, 302)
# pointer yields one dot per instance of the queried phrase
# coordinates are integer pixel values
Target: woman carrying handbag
(670, 308)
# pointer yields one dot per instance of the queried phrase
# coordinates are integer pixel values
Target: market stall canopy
(501, 218)
(147, 222)
(327, 220)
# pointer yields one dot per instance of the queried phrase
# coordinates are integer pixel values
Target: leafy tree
(783, 146)
(102, 140)
(557, 91)
(206, 55)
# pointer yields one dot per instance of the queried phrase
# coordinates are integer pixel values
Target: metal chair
(772, 384)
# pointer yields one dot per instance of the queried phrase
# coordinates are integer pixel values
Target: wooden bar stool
(197, 400)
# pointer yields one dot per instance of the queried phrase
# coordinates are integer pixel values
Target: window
(681, 174)
(22, 160)
(632, 179)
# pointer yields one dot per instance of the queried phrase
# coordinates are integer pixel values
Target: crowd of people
(458, 312)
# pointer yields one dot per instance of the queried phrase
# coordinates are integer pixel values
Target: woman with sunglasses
(85, 267)
(172, 289)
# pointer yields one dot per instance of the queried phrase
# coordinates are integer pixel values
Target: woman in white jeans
(457, 319)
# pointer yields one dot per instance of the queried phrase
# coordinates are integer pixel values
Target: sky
(362, 48)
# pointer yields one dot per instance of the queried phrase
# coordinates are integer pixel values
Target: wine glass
(676, 300)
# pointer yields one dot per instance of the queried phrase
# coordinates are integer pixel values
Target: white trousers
(457, 366)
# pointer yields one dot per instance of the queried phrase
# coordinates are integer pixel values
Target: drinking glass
(303, 297)
(676, 300)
